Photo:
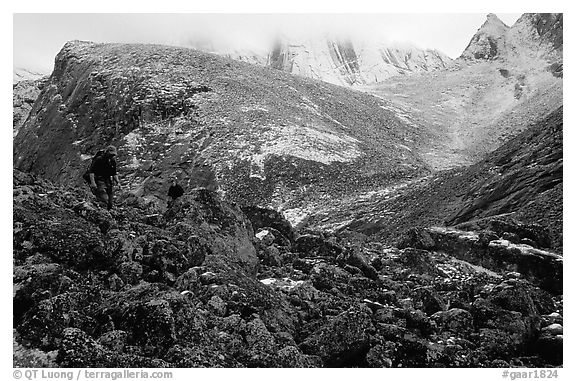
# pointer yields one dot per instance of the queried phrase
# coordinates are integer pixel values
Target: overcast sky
(39, 37)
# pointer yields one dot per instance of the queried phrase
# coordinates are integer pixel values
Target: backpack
(86, 175)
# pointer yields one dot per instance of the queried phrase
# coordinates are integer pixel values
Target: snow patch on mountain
(309, 144)
(303, 142)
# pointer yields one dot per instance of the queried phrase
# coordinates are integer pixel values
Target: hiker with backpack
(175, 190)
(102, 176)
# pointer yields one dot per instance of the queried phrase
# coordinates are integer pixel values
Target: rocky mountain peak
(488, 42)
(540, 33)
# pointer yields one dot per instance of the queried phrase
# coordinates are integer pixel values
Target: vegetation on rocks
(197, 286)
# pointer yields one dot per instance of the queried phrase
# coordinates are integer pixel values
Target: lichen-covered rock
(130, 272)
(169, 295)
(325, 276)
(217, 305)
(189, 280)
(428, 300)
(379, 356)
(456, 320)
(79, 350)
(44, 323)
(225, 231)
(114, 340)
(315, 245)
(263, 218)
(419, 261)
(416, 238)
(258, 337)
(292, 357)
(514, 297)
(343, 341)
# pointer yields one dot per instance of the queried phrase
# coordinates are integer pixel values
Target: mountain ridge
(341, 61)
(223, 122)
(534, 35)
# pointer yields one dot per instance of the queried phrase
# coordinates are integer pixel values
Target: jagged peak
(493, 26)
(485, 44)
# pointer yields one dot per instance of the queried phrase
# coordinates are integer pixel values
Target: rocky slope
(258, 135)
(194, 286)
(534, 35)
(24, 94)
(522, 180)
(505, 80)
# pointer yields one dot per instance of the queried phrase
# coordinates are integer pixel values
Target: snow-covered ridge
(339, 61)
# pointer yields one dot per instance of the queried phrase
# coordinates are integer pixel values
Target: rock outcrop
(533, 35)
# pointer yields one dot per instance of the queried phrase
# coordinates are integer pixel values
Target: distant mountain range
(350, 62)
(23, 74)
(341, 61)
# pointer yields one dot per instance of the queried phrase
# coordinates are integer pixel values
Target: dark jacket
(175, 191)
(103, 166)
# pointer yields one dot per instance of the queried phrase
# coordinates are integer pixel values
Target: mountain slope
(505, 80)
(24, 94)
(341, 61)
(522, 180)
(473, 110)
(256, 134)
(533, 36)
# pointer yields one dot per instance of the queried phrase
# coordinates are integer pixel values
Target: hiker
(103, 176)
(175, 190)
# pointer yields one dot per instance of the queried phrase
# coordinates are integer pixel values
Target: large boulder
(222, 227)
(343, 341)
(417, 238)
(420, 261)
(456, 320)
(541, 267)
(311, 245)
(262, 218)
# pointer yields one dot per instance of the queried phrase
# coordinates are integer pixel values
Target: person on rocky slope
(175, 190)
(103, 176)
